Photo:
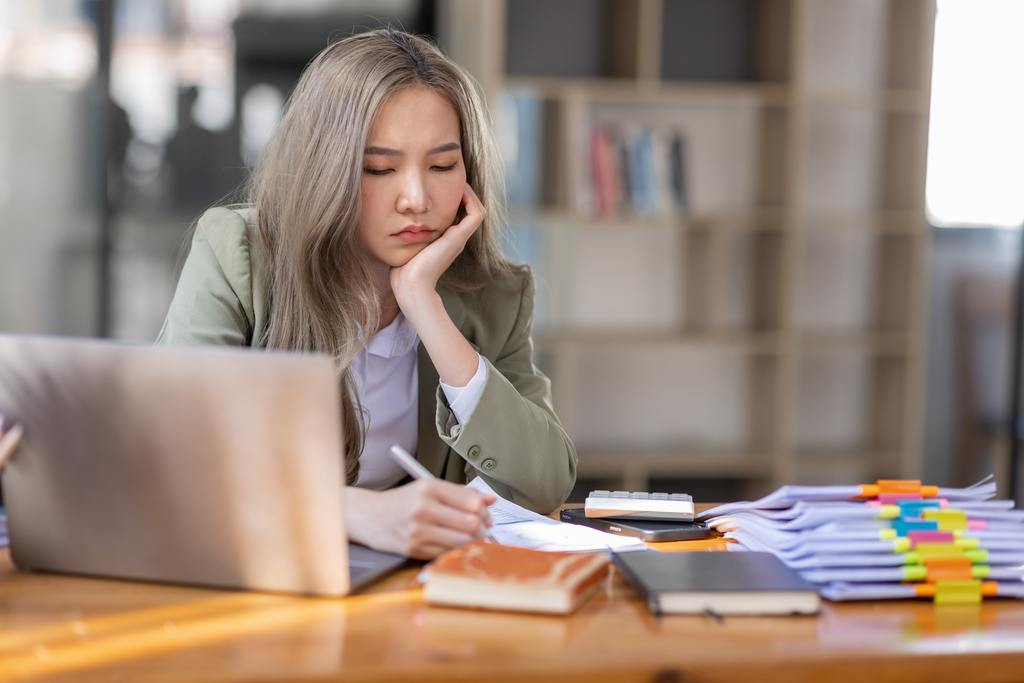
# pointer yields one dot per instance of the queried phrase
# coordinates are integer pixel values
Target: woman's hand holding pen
(421, 520)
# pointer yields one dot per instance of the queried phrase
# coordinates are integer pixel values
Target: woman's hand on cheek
(418, 278)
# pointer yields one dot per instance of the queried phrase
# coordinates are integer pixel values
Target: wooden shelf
(675, 461)
(803, 182)
(750, 220)
(895, 100)
(880, 221)
(879, 343)
(754, 342)
(651, 90)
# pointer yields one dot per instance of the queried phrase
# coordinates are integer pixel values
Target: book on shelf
(634, 169)
(494, 576)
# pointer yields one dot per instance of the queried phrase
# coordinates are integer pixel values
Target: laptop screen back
(208, 466)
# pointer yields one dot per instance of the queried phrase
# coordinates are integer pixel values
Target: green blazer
(513, 439)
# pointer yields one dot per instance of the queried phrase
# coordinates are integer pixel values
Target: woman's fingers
(463, 522)
(459, 497)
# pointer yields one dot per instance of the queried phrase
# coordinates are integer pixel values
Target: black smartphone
(640, 528)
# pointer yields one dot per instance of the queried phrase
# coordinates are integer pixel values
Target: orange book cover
(490, 575)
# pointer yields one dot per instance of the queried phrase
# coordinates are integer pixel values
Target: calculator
(677, 507)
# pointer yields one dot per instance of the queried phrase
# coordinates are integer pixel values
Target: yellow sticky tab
(888, 512)
(886, 534)
(967, 543)
(911, 558)
(949, 519)
(965, 592)
(927, 550)
(901, 545)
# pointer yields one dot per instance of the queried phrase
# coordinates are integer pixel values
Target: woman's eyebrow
(387, 152)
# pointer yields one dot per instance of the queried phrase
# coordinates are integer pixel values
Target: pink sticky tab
(976, 524)
(893, 498)
(930, 537)
(872, 503)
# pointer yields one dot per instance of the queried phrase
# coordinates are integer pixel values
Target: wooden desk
(75, 629)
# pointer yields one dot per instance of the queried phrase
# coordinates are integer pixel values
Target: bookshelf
(768, 329)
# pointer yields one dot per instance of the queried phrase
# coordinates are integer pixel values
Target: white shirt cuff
(463, 400)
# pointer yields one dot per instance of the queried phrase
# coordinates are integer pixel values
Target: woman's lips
(413, 236)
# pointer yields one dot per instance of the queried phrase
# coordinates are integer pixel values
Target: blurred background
(776, 241)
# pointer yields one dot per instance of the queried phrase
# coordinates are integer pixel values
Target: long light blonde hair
(306, 192)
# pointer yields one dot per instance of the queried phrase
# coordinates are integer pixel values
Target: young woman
(371, 234)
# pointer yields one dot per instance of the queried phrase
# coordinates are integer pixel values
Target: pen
(414, 468)
(9, 442)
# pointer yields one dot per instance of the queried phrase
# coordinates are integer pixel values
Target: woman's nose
(413, 197)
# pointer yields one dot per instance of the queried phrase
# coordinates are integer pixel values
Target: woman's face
(413, 175)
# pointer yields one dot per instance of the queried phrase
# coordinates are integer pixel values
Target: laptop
(201, 465)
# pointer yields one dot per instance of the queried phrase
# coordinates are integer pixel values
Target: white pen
(9, 443)
(410, 464)
(414, 468)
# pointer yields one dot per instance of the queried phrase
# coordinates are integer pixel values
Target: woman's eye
(378, 171)
(443, 168)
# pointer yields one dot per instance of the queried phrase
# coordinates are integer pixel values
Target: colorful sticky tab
(905, 526)
(951, 568)
(931, 536)
(927, 550)
(958, 592)
(887, 534)
(888, 512)
(901, 544)
(915, 508)
(948, 519)
(892, 498)
(915, 572)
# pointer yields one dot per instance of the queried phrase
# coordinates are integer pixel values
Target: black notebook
(717, 582)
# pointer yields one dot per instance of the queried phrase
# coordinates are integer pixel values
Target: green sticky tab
(911, 558)
(977, 556)
(981, 571)
(967, 543)
(901, 545)
(915, 573)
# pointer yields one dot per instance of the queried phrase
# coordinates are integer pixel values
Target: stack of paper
(515, 525)
(892, 539)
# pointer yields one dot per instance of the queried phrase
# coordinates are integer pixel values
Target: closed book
(718, 582)
(494, 576)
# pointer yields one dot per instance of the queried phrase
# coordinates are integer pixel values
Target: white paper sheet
(515, 525)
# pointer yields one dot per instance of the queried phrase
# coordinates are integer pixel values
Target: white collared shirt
(385, 376)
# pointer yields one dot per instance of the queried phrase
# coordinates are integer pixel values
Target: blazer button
(489, 464)
(474, 452)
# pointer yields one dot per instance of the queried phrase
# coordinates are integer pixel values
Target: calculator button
(639, 495)
(600, 494)
(619, 494)
(659, 496)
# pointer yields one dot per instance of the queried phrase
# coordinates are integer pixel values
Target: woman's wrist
(359, 515)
